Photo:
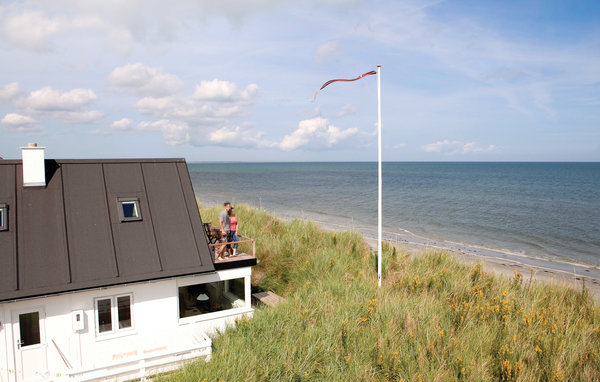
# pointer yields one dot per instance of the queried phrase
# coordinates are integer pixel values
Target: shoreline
(494, 261)
(504, 263)
(506, 268)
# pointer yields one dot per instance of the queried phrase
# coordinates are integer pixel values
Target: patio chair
(210, 233)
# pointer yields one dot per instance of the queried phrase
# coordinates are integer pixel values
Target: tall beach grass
(434, 318)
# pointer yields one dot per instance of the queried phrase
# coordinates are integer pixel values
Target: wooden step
(268, 298)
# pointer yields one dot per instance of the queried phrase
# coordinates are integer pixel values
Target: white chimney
(34, 171)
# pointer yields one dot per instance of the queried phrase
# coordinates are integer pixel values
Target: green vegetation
(433, 319)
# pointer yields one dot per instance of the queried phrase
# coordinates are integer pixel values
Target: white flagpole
(380, 193)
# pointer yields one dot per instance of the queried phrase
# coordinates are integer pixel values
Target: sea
(521, 211)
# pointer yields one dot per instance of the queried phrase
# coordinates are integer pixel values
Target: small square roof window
(129, 209)
(3, 217)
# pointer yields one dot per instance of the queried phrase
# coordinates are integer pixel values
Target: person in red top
(233, 229)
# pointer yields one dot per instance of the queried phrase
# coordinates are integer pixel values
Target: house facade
(105, 271)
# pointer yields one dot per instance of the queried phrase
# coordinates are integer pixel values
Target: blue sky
(232, 80)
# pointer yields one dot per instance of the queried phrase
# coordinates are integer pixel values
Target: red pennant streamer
(343, 79)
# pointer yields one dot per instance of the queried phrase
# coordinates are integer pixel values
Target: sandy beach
(569, 274)
(504, 263)
(572, 275)
(506, 267)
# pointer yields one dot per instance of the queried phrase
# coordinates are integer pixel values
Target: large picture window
(212, 297)
(113, 314)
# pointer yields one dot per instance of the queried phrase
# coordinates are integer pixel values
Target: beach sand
(504, 263)
(506, 268)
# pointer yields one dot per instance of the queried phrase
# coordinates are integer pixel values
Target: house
(105, 271)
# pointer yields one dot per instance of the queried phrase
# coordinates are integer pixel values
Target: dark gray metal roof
(68, 235)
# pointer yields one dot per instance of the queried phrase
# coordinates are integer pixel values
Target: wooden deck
(216, 242)
(240, 256)
(241, 260)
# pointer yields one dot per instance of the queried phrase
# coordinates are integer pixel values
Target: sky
(232, 80)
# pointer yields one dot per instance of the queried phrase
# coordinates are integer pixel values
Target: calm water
(549, 210)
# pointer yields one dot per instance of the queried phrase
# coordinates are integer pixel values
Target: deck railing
(213, 239)
(244, 239)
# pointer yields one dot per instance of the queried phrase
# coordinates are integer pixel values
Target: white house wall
(3, 346)
(157, 329)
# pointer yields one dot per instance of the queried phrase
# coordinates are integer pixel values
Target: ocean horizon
(375, 162)
(545, 210)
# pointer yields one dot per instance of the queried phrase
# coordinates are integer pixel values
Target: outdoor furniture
(211, 236)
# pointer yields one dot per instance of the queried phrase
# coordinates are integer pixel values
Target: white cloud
(213, 103)
(312, 134)
(186, 109)
(122, 124)
(315, 133)
(144, 80)
(327, 52)
(174, 133)
(48, 99)
(440, 146)
(13, 119)
(178, 132)
(335, 135)
(156, 107)
(31, 30)
(457, 147)
(200, 119)
(19, 122)
(223, 91)
(64, 106)
(34, 25)
(239, 137)
(9, 91)
(36, 28)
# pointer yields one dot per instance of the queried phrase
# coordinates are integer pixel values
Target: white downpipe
(379, 180)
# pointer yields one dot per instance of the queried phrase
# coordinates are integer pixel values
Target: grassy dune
(434, 319)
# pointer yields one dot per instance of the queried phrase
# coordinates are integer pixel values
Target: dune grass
(434, 319)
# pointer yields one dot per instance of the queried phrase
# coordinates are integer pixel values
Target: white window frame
(137, 209)
(114, 315)
(224, 275)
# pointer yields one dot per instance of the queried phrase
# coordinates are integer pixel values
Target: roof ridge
(104, 160)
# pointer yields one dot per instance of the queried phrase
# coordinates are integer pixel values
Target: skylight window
(3, 217)
(129, 209)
